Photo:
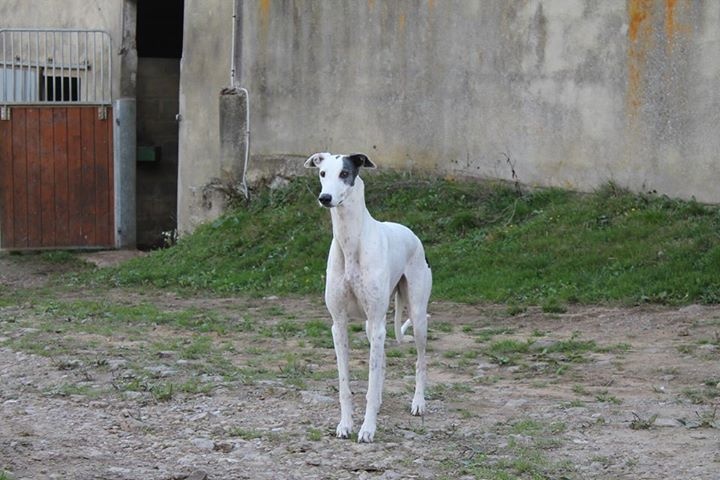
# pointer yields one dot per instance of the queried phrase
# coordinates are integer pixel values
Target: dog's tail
(400, 304)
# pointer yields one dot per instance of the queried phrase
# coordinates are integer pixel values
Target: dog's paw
(418, 407)
(343, 430)
(366, 434)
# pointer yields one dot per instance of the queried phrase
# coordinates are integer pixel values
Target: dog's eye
(322, 174)
(344, 174)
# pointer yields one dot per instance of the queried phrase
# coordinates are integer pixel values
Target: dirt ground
(99, 383)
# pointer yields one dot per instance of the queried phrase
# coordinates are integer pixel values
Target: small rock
(133, 395)
(665, 422)
(224, 447)
(203, 443)
(315, 398)
(516, 403)
(198, 417)
(161, 371)
(543, 344)
(197, 475)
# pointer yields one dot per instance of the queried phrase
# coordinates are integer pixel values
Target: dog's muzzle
(325, 199)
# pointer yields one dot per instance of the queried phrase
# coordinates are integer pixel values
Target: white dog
(367, 263)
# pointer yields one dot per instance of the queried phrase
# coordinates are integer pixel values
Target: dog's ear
(314, 160)
(361, 160)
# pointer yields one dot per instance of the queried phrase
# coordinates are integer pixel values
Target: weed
(524, 456)
(708, 418)
(639, 423)
(201, 346)
(247, 324)
(514, 310)
(487, 334)
(163, 392)
(708, 393)
(507, 352)
(580, 390)
(444, 327)
(553, 305)
(605, 397)
(314, 435)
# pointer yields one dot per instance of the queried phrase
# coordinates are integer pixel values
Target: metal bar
(36, 77)
(54, 57)
(12, 65)
(62, 67)
(77, 68)
(5, 97)
(102, 68)
(94, 64)
(87, 63)
(45, 69)
(23, 82)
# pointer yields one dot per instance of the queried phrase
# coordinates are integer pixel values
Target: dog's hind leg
(419, 293)
(401, 295)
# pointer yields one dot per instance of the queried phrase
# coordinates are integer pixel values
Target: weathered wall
(204, 72)
(575, 92)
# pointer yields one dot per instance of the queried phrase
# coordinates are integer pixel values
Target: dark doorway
(159, 46)
(160, 28)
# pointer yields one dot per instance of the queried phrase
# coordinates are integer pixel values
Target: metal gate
(56, 150)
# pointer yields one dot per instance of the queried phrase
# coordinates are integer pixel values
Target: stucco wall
(574, 92)
(204, 72)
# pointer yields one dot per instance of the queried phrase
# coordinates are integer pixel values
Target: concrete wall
(204, 72)
(158, 80)
(574, 92)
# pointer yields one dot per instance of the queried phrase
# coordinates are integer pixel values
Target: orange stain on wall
(638, 12)
(670, 25)
(640, 15)
(264, 13)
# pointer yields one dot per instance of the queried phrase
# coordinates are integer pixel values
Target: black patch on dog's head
(350, 171)
(351, 167)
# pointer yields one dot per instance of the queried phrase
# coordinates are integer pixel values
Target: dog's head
(337, 175)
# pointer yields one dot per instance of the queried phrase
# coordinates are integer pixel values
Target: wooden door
(56, 178)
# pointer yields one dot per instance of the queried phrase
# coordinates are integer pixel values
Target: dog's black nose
(325, 199)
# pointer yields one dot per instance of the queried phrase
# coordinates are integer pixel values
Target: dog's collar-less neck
(348, 218)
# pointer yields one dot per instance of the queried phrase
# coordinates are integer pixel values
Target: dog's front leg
(376, 378)
(340, 339)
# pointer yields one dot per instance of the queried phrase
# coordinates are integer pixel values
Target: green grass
(528, 454)
(484, 241)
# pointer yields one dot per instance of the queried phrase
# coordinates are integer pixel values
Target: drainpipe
(235, 71)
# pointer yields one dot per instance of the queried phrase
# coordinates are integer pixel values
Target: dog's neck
(349, 219)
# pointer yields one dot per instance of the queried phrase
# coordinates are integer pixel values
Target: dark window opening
(160, 28)
(59, 89)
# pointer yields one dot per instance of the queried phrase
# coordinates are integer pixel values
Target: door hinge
(4, 112)
(102, 113)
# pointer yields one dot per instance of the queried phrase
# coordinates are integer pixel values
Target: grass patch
(526, 454)
(484, 241)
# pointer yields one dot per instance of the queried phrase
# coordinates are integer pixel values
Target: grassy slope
(485, 242)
